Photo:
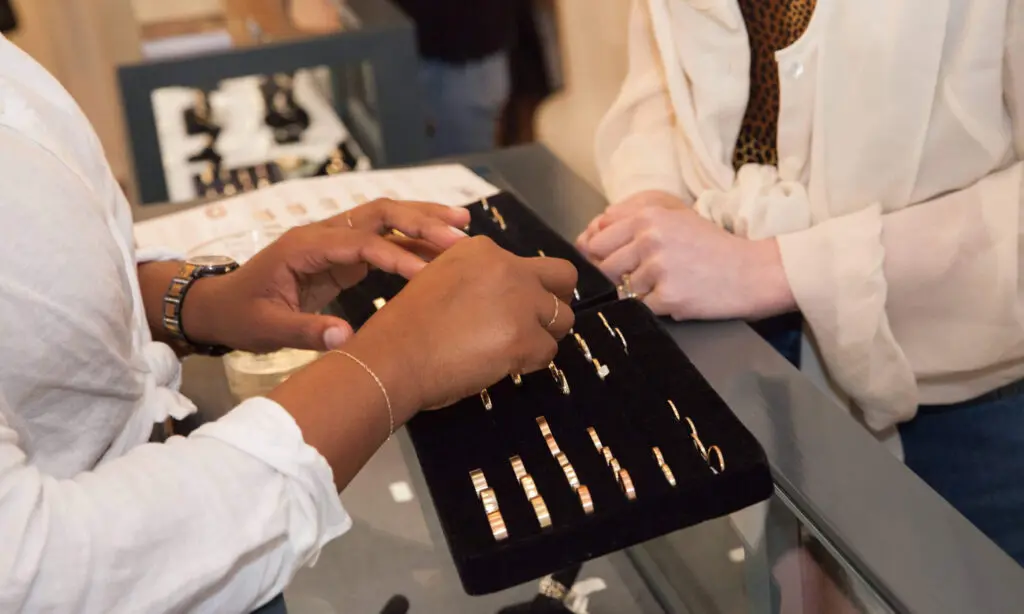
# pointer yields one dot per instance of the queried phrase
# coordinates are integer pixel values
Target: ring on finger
(554, 317)
(348, 218)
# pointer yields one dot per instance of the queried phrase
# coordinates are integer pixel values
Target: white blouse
(93, 518)
(897, 199)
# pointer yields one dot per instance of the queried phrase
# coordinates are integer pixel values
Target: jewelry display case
(351, 79)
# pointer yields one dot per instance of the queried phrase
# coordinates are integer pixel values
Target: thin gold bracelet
(387, 399)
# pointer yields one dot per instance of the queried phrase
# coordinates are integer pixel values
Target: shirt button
(796, 70)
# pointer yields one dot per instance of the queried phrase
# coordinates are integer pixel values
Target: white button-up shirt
(897, 202)
(93, 518)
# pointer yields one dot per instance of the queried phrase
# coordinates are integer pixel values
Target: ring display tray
(637, 394)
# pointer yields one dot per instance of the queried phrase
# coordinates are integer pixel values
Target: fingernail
(457, 232)
(335, 338)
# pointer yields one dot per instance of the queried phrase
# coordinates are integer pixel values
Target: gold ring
(498, 528)
(615, 466)
(608, 457)
(518, 467)
(622, 338)
(697, 443)
(379, 303)
(517, 379)
(675, 412)
(721, 459)
(669, 475)
(570, 475)
(627, 286)
(489, 499)
(604, 320)
(693, 427)
(559, 376)
(529, 486)
(483, 203)
(348, 218)
(658, 457)
(552, 445)
(576, 294)
(479, 481)
(542, 422)
(554, 317)
(486, 398)
(541, 510)
(499, 219)
(585, 499)
(602, 370)
(627, 484)
(583, 347)
(593, 437)
(562, 459)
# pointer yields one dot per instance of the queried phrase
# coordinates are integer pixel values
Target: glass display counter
(849, 528)
(367, 48)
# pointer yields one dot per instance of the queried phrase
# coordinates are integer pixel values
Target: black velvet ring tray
(629, 410)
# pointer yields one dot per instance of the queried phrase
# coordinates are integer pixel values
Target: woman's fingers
(624, 260)
(610, 239)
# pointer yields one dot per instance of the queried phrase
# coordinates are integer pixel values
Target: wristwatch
(192, 270)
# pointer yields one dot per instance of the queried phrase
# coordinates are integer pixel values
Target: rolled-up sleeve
(216, 522)
(926, 304)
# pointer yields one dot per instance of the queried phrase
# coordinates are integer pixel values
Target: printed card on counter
(294, 203)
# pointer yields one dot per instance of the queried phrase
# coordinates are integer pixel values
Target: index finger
(558, 276)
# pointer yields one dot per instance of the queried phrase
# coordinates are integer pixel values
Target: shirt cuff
(835, 270)
(157, 254)
(263, 429)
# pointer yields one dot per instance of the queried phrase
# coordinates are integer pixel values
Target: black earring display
(595, 500)
(199, 117)
(284, 116)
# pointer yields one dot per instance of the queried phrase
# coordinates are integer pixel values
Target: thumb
(309, 331)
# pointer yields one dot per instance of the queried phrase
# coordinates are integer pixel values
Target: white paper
(301, 201)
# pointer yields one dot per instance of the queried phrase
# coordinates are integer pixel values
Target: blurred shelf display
(251, 132)
(256, 91)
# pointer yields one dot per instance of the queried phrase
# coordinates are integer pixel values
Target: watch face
(211, 261)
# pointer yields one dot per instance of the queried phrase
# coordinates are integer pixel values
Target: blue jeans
(464, 103)
(971, 453)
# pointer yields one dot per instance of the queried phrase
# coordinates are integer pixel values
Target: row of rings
(540, 508)
(586, 501)
(621, 475)
(489, 500)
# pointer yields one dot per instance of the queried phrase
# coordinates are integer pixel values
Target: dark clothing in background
(459, 31)
(8, 19)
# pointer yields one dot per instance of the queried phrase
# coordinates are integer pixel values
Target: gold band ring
(541, 510)
(529, 486)
(479, 481)
(498, 528)
(554, 318)
(721, 459)
(627, 484)
(586, 500)
(489, 499)
(518, 467)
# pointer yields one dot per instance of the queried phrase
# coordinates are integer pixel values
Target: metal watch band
(174, 301)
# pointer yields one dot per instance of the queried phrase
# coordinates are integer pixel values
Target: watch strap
(174, 302)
